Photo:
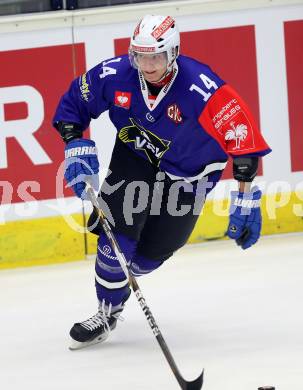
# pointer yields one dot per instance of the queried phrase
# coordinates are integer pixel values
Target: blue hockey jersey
(188, 130)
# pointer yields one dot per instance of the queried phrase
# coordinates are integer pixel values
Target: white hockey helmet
(155, 34)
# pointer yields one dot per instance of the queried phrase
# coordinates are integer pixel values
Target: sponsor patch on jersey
(164, 26)
(174, 113)
(84, 85)
(234, 126)
(238, 133)
(143, 139)
(123, 99)
(226, 113)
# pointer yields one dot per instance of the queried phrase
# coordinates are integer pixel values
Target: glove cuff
(81, 147)
(246, 200)
(80, 142)
(246, 203)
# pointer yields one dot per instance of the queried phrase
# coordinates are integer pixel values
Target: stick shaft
(135, 287)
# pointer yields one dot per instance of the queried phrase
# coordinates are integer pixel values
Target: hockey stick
(185, 385)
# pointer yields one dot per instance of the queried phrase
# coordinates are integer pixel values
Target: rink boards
(52, 240)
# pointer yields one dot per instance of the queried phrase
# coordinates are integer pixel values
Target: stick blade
(194, 385)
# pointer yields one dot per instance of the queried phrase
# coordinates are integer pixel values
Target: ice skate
(96, 329)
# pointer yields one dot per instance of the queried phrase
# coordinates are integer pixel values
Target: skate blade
(78, 345)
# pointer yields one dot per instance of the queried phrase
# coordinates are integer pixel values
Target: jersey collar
(162, 93)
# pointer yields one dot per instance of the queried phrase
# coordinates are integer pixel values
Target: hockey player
(177, 122)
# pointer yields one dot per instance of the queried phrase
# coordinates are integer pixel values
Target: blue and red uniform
(187, 131)
(192, 126)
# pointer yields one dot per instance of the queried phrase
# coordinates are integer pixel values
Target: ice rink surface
(238, 314)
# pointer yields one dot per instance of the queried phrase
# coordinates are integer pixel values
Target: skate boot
(97, 328)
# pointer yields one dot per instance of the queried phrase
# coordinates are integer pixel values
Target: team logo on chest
(143, 139)
(123, 99)
(174, 113)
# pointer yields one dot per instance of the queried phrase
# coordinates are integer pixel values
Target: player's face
(152, 66)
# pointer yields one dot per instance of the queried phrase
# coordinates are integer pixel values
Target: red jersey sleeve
(227, 118)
